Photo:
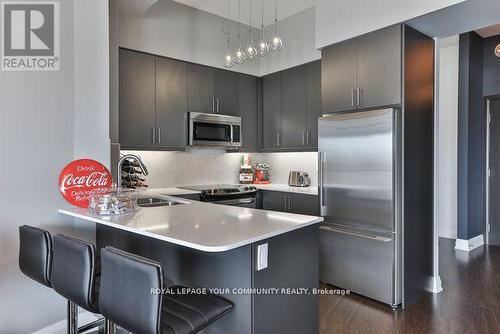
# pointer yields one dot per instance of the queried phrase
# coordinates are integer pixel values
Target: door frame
(488, 100)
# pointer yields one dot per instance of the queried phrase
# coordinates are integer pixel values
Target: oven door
(214, 130)
(248, 202)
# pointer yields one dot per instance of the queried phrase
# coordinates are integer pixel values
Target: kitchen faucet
(142, 166)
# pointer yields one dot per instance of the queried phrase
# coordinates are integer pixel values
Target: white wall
(174, 30)
(37, 139)
(206, 166)
(297, 33)
(446, 214)
(341, 20)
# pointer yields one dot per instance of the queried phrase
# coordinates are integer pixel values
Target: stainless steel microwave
(214, 130)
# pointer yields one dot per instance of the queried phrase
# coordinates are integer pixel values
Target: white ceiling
(286, 8)
(489, 31)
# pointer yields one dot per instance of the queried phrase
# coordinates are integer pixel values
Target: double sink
(151, 202)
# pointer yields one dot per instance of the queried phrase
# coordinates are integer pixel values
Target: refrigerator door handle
(361, 235)
(322, 197)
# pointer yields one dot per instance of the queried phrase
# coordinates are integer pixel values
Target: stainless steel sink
(151, 202)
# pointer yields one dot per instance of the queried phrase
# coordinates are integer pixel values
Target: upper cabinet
(171, 103)
(291, 107)
(364, 72)
(248, 105)
(137, 129)
(200, 88)
(212, 90)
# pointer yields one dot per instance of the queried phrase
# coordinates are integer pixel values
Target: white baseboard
(468, 245)
(434, 284)
(84, 317)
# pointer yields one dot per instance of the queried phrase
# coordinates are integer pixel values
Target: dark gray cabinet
(289, 202)
(363, 72)
(314, 106)
(137, 100)
(171, 103)
(248, 111)
(226, 92)
(294, 106)
(200, 88)
(271, 111)
(338, 76)
(379, 68)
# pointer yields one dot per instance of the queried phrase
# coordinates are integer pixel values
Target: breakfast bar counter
(257, 259)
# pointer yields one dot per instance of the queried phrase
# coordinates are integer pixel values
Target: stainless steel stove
(242, 195)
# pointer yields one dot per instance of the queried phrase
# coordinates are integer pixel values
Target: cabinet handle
(159, 135)
(352, 96)
(285, 203)
(289, 203)
(277, 139)
(213, 104)
(218, 106)
(358, 96)
(154, 135)
(303, 138)
(308, 137)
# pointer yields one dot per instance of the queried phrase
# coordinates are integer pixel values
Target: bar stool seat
(127, 298)
(190, 313)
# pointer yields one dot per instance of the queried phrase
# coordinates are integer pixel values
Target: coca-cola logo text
(79, 178)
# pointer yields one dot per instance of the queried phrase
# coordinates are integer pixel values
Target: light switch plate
(262, 254)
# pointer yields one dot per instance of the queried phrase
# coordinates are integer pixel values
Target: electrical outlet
(262, 255)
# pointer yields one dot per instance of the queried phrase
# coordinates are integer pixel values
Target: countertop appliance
(228, 194)
(299, 179)
(214, 130)
(360, 183)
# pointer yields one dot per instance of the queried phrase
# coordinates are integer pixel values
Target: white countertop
(311, 190)
(202, 226)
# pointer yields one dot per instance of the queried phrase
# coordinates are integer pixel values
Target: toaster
(299, 179)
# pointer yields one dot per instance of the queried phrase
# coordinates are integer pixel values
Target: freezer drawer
(359, 261)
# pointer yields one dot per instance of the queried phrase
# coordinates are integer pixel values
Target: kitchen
(307, 168)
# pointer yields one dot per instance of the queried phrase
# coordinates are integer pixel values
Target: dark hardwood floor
(469, 303)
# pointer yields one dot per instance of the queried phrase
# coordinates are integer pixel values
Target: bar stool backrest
(74, 271)
(128, 296)
(35, 253)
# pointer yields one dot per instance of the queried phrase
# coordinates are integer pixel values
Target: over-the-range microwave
(214, 130)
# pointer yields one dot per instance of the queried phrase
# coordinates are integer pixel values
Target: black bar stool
(36, 261)
(126, 298)
(74, 276)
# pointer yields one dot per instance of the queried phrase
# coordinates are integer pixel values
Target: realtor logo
(30, 36)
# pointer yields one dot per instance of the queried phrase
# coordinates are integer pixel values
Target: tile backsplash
(208, 166)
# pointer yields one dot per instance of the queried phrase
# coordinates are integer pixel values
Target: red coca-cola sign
(80, 177)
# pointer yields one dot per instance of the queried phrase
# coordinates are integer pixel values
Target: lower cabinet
(289, 202)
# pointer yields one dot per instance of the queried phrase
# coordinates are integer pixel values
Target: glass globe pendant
(251, 50)
(240, 55)
(276, 42)
(262, 46)
(228, 58)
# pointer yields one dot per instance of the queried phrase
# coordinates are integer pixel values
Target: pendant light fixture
(497, 51)
(276, 42)
(240, 56)
(262, 46)
(228, 59)
(251, 50)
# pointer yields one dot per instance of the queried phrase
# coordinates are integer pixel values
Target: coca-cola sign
(80, 177)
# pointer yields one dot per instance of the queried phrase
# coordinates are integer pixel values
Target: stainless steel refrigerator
(360, 194)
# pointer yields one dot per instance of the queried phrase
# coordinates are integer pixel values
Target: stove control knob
(209, 192)
(246, 188)
(214, 191)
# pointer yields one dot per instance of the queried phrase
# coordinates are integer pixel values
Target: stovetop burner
(223, 189)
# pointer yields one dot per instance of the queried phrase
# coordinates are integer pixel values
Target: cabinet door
(248, 111)
(274, 201)
(226, 92)
(271, 111)
(137, 100)
(379, 68)
(200, 88)
(171, 103)
(294, 107)
(313, 102)
(304, 204)
(338, 76)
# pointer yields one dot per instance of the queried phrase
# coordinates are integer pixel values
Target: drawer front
(359, 261)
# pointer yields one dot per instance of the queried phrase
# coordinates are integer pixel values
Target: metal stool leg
(109, 327)
(72, 318)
